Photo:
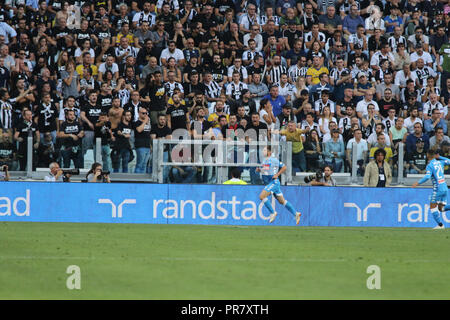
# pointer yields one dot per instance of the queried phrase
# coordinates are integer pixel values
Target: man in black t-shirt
(142, 128)
(71, 132)
(60, 32)
(105, 97)
(256, 131)
(177, 115)
(162, 131)
(155, 96)
(26, 128)
(90, 113)
(218, 70)
(104, 132)
(388, 103)
(46, 117)
(122, 149)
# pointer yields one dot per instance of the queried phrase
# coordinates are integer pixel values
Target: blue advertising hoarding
(213, 204)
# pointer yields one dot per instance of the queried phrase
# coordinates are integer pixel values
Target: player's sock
(268, 205)
(290, 207)
(436, 216)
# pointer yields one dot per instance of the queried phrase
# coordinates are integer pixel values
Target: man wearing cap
(286, 116)
(416, 161)
(362, 86)
(356, 53)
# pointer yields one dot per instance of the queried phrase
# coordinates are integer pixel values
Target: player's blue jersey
(270, 167)
(435, 171)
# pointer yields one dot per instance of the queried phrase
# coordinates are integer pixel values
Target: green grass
(127, 261)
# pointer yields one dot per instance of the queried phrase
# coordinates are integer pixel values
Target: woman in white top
(266, 114)
(325, 119)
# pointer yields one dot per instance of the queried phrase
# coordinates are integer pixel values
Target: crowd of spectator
(327, 75)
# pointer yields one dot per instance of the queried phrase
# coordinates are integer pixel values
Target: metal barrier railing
(216, 154)
(246, 157)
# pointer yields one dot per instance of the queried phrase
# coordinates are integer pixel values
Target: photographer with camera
(322, 178)
(60, 175)
(4, 173)
(96, 174)
(56, 174)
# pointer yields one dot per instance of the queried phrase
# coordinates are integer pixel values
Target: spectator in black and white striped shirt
(234, 89)
(273, 75)
(213, 89)
(124, 50)
(172, 84)
(297, 70)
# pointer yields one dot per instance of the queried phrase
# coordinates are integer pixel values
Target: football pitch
(143, 261)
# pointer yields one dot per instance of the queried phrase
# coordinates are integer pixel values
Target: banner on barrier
(213, 204)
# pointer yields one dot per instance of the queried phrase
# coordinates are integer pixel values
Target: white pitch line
(171, 259)
(208, 259)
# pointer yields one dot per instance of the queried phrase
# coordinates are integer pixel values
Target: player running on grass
(270, 170)
(435, 171)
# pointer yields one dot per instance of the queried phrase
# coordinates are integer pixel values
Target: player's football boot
(297, 217)
(272, 217)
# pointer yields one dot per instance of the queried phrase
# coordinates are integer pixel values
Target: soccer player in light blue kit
(435, 171)
(271, 169)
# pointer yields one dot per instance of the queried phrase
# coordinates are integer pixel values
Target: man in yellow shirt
(214, 117)
(294, 135)
(87, 62)
(313, 72)
(381, 143)
(125, 32)
(235, 177)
